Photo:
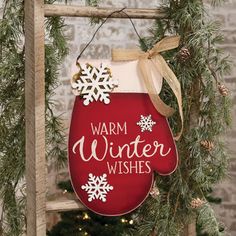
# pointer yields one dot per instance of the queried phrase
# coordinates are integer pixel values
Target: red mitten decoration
(114, 150)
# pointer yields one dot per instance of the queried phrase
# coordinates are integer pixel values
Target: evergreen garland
(12, 111)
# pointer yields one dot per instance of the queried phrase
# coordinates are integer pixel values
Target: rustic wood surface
(35, 117)
(78, 11)
(64, 205)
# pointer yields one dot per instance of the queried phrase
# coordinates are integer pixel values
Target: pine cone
(207, 145)
(196, 203)
(153, 233)
(223, 90)
(154, 192)
(183, 55)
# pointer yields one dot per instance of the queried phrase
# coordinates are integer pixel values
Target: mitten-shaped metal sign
(117, 138)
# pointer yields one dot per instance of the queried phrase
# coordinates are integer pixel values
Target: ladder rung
(64, 205)
(83, 11)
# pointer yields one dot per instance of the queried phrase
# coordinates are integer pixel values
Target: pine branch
(12, 111)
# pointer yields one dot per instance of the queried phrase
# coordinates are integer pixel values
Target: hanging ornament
(120, 136)
(196, 203)
(208, 145)
(223, 90)
(183, 55)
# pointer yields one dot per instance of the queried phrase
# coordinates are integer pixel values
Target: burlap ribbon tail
(150, 63)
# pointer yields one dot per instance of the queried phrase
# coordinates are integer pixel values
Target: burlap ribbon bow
(152, 62)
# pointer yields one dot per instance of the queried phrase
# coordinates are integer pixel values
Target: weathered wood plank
(78, 11)
(35, 117)
(64, 205)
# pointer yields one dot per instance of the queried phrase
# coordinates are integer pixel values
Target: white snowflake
(97, 187)
(95, 83)
(146, 123)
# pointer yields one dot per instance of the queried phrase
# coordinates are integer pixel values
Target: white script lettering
(133, 149)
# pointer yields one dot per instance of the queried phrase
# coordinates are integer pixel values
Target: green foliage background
(12, 112)
(206, 112)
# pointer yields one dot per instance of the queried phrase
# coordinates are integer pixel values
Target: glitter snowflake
(97, 187)
(146, 123)
(94, 83)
